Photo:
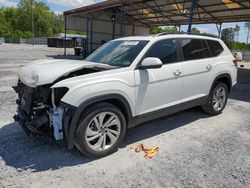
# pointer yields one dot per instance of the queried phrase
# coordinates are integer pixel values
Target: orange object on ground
(149, 152)
(152, 152)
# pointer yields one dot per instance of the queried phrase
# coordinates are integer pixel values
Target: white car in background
(127, 81)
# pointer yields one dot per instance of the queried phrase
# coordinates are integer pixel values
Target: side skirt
(167, 111)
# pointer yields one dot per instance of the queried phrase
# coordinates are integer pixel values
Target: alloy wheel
(219, 98)
(103, 131)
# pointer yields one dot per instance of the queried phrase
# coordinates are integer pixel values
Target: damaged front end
(41, 112)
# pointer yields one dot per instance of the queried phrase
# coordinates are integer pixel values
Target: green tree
(7, 21)
(18, 21)
(236, 32)
(210, 35)
(227, 34)
(170, 29)
(10, 17)
(57, 24)
(3, 25)
(42, 18)
(195, 31)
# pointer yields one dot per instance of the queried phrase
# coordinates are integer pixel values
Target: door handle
(177, 72)
(209, 67)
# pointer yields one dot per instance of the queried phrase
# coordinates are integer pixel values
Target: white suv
(127, 81)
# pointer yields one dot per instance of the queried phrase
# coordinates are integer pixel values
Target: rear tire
(217, 99)
(100, 130)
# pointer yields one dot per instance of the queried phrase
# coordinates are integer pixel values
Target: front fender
(77, 95)
(83, 95)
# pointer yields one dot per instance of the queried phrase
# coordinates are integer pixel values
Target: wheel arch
(224, 78)
(116, 99)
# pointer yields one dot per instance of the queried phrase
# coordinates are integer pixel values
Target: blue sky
(61, 5)
(211, 28)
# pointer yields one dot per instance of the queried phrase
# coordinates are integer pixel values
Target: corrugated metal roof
(171, 12)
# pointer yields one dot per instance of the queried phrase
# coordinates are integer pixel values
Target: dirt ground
(196, 150)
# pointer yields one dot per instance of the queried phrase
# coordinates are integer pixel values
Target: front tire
(217, 99)
(100, 130)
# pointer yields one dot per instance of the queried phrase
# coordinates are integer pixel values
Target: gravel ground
(196, 150)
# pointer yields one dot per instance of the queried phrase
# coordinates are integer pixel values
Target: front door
(162, 87)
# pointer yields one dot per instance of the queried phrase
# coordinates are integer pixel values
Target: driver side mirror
(150, 63)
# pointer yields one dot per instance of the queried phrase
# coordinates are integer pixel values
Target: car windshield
(118, 53)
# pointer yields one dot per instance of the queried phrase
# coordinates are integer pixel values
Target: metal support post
(191, 16)
(179, 28)
(65, 35)
(87, 34)
(121, 19)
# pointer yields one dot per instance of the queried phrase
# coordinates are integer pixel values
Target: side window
(194, 49)
(165, 50)
(215, 47)
(207, 52)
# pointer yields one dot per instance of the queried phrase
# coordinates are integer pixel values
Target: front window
(118, 53)
(165, 50)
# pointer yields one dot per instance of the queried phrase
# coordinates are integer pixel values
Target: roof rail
(188, 33)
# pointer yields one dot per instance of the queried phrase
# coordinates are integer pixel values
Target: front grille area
(32, 113)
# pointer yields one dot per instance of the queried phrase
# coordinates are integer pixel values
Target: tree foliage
(230, 37)
(238, 46)
(170, 29)
(195, 31)
(18, 21)
(227, 35)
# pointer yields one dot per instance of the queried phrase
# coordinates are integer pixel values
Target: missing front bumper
(31, 126)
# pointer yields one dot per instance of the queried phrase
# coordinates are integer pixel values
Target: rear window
(215, 47)
(194, 49)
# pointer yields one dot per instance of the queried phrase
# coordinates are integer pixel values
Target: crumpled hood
(46, 71)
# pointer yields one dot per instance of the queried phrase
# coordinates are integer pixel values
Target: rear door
(196, 67)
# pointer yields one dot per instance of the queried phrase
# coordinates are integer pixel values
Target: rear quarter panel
(224, 65)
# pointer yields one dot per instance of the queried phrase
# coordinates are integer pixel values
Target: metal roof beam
(202, 8)
(162, 13)
(207, 6)
(215, 11)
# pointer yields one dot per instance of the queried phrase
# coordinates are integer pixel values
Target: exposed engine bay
(40, 110)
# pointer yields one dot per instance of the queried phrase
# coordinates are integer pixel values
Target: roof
(166, 35)
(172, 12)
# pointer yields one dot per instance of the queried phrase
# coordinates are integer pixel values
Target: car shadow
(243, 76)
(36, 153)
(41, 154)
(162, 125)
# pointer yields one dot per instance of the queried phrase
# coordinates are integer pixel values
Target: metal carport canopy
(171, 12)
(116, 18)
